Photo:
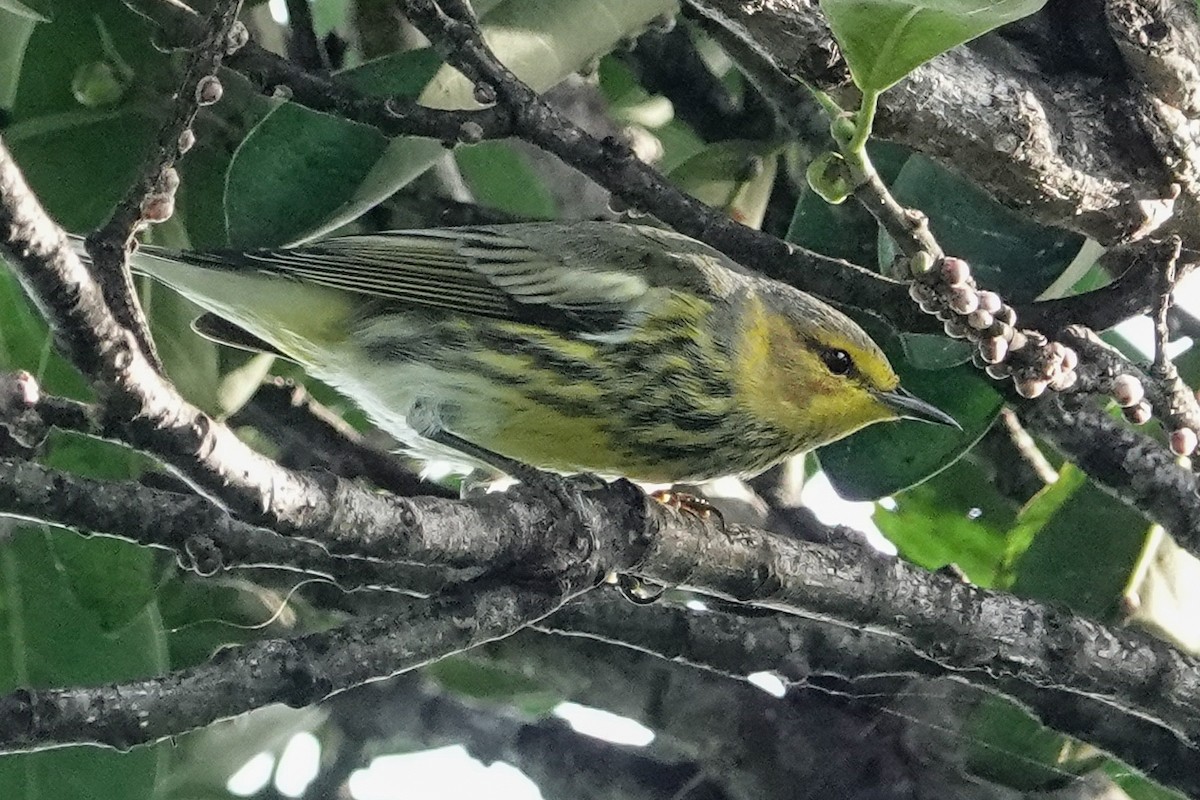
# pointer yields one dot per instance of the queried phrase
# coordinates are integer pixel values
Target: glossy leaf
(500, 177)
(98, 141)
(735, 176)
(294, 170)
(884, 40)
(47, 638)
(36, 10)
(542, 41)
(1084, 553)
(957, 517)
(1008, 253)
(15, 31)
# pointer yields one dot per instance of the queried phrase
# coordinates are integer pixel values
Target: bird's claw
(689, 504)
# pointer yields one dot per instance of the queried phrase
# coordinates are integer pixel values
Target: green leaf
(203, 616)
(956, 517)
(1137, 786)
(542, 41)
(295, 169)
(499, 177)
(844, 231)
(112, 580)
(885, 458)
(26, 343)
(1083, 555)
(494, 683)
(101, 149)
(14, 36)
(734, 176)
(47, 638)
(39, 11)
(884, 40)
(101, 141)
(1008, 253)
(930, 351)
(34, 10)
(1011, 748)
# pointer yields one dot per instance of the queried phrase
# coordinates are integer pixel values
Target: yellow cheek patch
(781, 380)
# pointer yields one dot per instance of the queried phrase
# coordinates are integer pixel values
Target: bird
(599, 348)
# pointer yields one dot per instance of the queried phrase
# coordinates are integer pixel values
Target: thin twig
(152, 197)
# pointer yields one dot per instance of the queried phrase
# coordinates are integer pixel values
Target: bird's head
(810, 370)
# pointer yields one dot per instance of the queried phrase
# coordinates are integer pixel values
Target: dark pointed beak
(909, 406)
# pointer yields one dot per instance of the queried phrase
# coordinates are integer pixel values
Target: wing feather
(557, 275)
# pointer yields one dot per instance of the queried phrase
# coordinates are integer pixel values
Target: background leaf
(1008, 253)
(884, 40)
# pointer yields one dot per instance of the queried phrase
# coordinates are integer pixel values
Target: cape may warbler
(582, 347)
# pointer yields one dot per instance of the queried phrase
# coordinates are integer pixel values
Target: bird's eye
(838, 361)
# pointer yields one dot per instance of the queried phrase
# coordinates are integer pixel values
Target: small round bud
(955, 271)
(990, 302)
(1070, 359)
(1064, 380)
(921, 263)
(26, 392)
(168, 181)
(1127, 391)
(484, 93)
(980, 320)
(1007, 315)
(843, 128)
(470, 132)
(1139, 414)
(963, 299)
(98, 84)
(209, 90)
(1031, 387)
(187, 140)
(237, 37)
(929, 306)
(1183, 442)
(158, 207)
(994, 349)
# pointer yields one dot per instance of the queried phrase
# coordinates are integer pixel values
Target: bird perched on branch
(574, 347)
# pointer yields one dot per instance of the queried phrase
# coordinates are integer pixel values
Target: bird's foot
(689, 504)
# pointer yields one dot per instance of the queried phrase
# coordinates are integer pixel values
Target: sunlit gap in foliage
(1139, 330)
(600, 724)
(829, 508)
(446, 773)
(770, 682)
(252, 777)
(299, 765)
(279, 12)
